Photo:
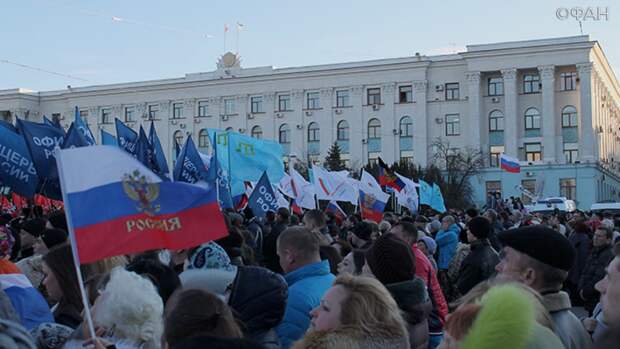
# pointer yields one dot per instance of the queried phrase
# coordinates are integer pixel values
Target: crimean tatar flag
(116, 205)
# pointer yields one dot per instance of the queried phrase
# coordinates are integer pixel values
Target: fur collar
(556, 301)
(353, 337)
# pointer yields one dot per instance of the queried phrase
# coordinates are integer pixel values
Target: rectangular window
(256, 104)
(452, 91)
(373, 96)
(56, 117)
(284, 102)
(203, 108)
(569, 118)
(493, 187)
(84, 114)
(529, 185)
(453, 125)
(494, 153)
(496, 121)
(373, 161)
(568, 188)
(130, 114)
(405, 94)
(314, 135)
(531, 83)
(153, 111)
(568, 81)
(177, 110)
(229, 106)
(533, 152)
(106, 115)
(496, 86)
(532, 121)
(571, 152)
(342, 98)
(312, 100)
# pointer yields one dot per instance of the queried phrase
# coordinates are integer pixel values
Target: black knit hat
(58, 220)
(391, 260)
(479, 227)
(541, 243)
(53, 237)
(34, 226)
(362, 230)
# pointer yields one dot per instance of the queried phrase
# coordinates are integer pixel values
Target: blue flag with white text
(160, 157)
(17, 170)
(74, 138)
(126, 137)
(145, 153)
(8, 126)
(83, 127)
(189, 166)
(108, 139)
(263, 199)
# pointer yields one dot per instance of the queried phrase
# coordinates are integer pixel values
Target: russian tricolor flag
(28, 303)
(334, 208)
(116, 205)
(509, 164)
(371, 207)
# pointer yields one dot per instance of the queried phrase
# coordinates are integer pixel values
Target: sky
(92, 42)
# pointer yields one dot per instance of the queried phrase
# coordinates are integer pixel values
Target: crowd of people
(498, 278)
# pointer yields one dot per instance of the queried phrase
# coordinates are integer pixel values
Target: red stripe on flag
(137, 233)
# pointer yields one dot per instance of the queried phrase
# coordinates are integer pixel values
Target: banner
(16, 167)
(263, 198)
(108, 139)
(437, 202)
(127, 138)
(303, 190)
(83, 128)
(74, 138)
(189, 167)
(160, 157)
(333, 186)
(426, 193)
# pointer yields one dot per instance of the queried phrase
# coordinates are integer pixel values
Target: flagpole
(74, 249)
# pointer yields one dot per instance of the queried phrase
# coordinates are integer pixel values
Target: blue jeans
(434, 340)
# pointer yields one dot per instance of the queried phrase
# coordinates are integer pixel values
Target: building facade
(553, 103)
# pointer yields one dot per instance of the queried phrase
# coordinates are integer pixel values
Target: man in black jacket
(270, 255)
(480, 264)
(594, 270)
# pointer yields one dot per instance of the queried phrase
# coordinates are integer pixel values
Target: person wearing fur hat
(361, 235)
(356, 313)
(480, 264)
(540, 258)
(392, 262)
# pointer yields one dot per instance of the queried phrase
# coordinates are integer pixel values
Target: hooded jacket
(447, 240)
(306, 287)
(353, 337)
(567, 326)
(412, 299)
(258, 298)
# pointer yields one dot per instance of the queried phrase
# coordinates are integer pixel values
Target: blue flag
(127, 138)
(189, 166)
(42, 140)
(160, 157)
(108, 139)
(17, 170)
(177, 149)
(8, 126)
(74, 138)
(426, 193)
(145, 153)
(48, 121)
(263, 198)
(437, 202)
(83, 127)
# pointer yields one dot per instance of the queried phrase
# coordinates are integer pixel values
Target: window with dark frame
(493, 187)
(529, 185)
(230, 106)
(284, 102)
(203, 138)
(568, 81)
(203, 108)
(257, 132)
(153, 110)
(256, 104)
(532, 119)
(569, 116)
(343, 131)
(374, 129)
(571, 152)
(106, 115)
(342, 98)
(496, 86)
(568, 188)
(178, 137)
(130, 114)
(177, 110)
(533, 152)
(373, 96)
(531, 83)
(406, 127)
(312, 100)
(284, 134)
(452, 91)
(314, 133)
(405, 94)
(495, 151)
(496, 121)
(453, 124)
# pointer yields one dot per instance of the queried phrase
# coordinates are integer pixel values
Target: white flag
(303, 190)
(334, 186)
(408, 196)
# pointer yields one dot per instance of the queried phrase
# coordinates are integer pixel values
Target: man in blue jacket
(447, 240)
(308, 278)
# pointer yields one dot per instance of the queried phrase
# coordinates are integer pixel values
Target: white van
(548, 205)
(611, 207)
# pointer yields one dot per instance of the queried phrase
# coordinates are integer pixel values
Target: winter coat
(270, 242)
(567, 326)
(447, 240)
(594, 271)
(306, 287)
(258, 299)
(379, 336)
(478, 266)
(425, 271)
(412, 299)
(543, 338)
(496, 228)
(581, 242)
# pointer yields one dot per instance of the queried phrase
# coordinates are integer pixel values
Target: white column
(474, 117)
(511, 117)
(298, 126)
(386, 115)
(586, 126)
(358, 151)
(420, 124)
(549, 124)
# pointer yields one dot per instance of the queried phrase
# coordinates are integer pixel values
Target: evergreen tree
(333, 162)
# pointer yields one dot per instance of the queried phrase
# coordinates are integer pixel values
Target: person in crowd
(30, 230)
(447, 241)
(62, 286)
(428, 246)
(424, 270)
(355, 264)
(422, 223)
(331, 255)
(102, 266)
(356, 312)
(342, 246)
(163, 277)
(270, 253)
(308, 279)
(316, 222)
(384, 227)
(541, 258)
(496, 228)
(26, 302)
(557, 223)
(480, 263)
(609, 288)
(256, 229)
(392, 262)
(594, 269)
(32, 266)
(199, 342)
(14, 336)
(57, 220)
(471, 213)
(235, 246)
(294, 220)
(195, 312)
(361, 235)
(581, 241)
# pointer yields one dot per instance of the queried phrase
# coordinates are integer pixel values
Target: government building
(552, 103)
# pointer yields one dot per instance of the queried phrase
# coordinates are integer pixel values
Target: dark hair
(472, 212)
(34, 226)
(59, 259)
(197, 312)
(284, 214)
(58, 220)
(163, 277)
(409, 229)
(345, 247)
(359, 259)
(317, 217)
(330, 254)
(479, 227)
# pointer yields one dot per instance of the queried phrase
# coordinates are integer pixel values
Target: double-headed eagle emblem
(139, 189)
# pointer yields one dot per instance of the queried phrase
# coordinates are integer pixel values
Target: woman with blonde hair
(356, 312)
